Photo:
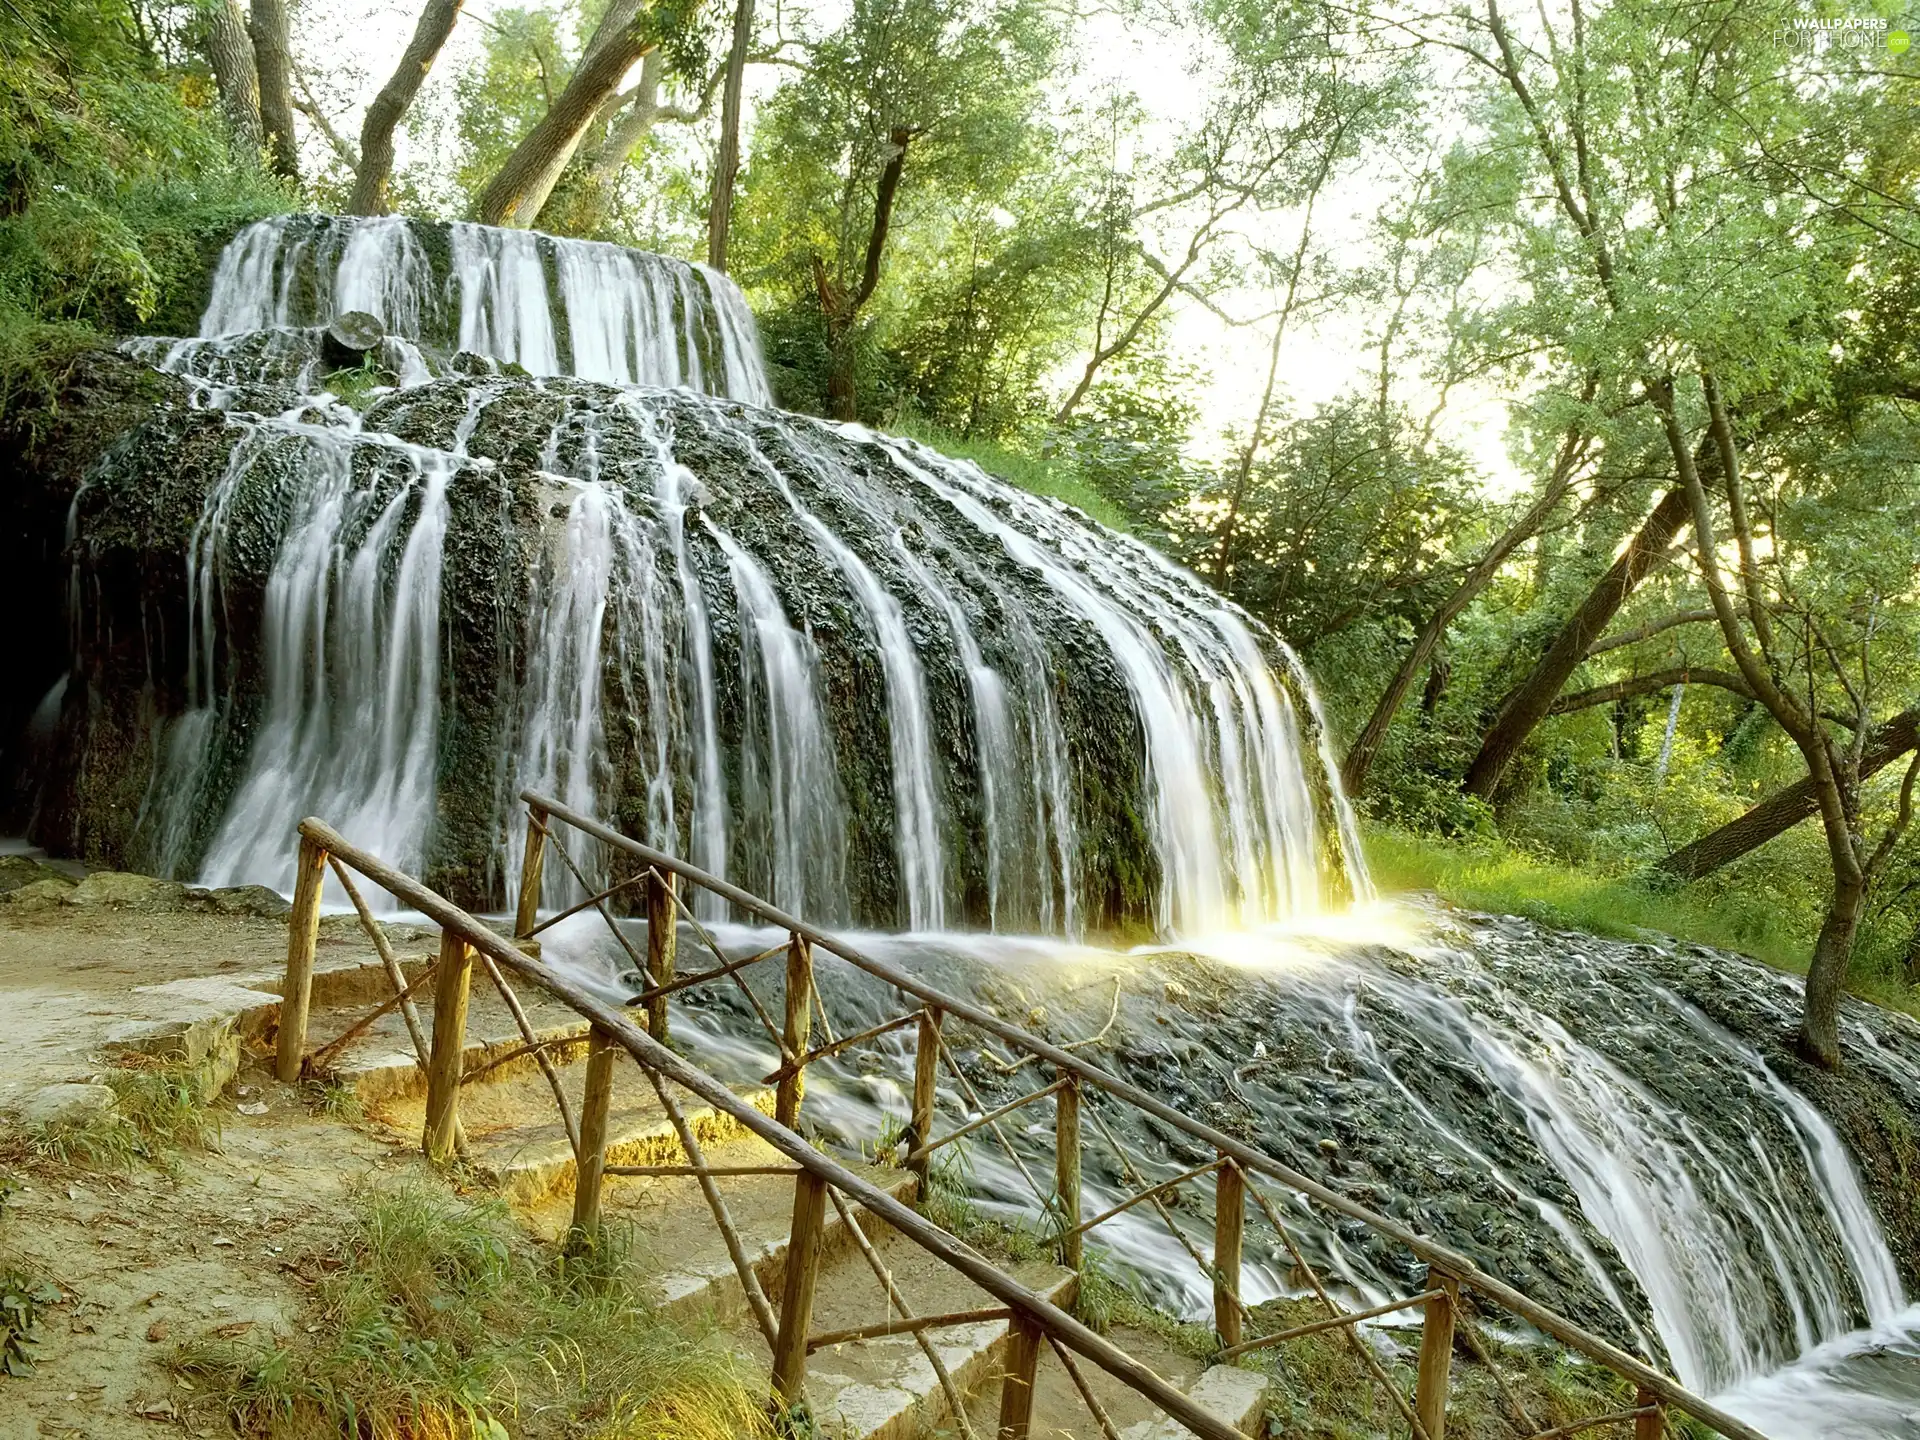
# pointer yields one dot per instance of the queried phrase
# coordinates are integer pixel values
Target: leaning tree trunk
(273, 60)
(1783, 809)
(517, 194)
(1523, 710)
(1832, 957)
(390, 106)
(230, 55)
(727, 167)
(840, 310)
(1359, 760)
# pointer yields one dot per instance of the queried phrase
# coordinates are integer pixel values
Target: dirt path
(149, 1257)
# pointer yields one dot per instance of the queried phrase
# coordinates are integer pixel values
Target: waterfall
(556, 540)
(869, 681)
(551, 305)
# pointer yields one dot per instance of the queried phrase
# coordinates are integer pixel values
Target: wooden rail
(1034, 1318)
(1235, 1166)
(1449, 1266)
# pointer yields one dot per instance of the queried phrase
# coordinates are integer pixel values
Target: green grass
(159, 1110)
(1049, 477)
(437, 1319)
(1482, 875)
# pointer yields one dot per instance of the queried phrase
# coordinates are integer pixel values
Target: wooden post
(1436, 1355)
(533, 866)
(803, 1271)
(1652, 1424)
(926, 1072)
(1066, 1170)
(798, 1030)
(450, 981)
(663, 927)
(303, 933)
(1016, 1390)
(1229, 1227)
(591, 1166)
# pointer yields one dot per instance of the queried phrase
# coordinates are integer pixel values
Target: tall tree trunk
(1527, 705)
(390, 106)
(1783, 809)
(1836, 781)
(1360, 758)
(516, 195)
(1827, 976)
(230, 54)
(273, 62)
(727, 167)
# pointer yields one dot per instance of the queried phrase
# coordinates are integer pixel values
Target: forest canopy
(1549, 377)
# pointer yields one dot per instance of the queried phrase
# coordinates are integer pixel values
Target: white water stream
(665, 621)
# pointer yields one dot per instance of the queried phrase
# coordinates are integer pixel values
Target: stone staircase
(878, 1389)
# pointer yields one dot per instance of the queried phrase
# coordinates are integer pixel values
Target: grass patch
(158, 1111)
(1050, 477)
(1484, 875)
(436, 1319)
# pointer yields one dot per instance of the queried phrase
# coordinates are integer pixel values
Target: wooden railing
(1238, 1171)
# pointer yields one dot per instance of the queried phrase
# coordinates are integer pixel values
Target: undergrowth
(1486, 875)
(435, 1319)
(158, 1111)
(1052, 477)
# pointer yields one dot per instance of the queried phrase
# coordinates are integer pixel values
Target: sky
(348, 47)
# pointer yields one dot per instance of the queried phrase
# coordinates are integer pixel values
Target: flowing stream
(552, 537)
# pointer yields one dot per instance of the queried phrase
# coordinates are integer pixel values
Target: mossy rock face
(898, 584)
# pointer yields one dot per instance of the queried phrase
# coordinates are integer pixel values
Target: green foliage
(1351, 516)
(117, 187)
(433, 1317)
(22, 1298)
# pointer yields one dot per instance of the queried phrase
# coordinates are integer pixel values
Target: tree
(927, 98)
(627, 31)
(230, 55)
(273, 62)
(1278, 86)
(389, 107)
(1666, 160)
(727, 167)
(1785, 808)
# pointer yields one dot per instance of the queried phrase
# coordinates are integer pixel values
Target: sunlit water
(1766, 1278)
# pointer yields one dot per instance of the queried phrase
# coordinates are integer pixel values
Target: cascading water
(1568, 1111)
(867, 680)
(622, 316)
(540, 542)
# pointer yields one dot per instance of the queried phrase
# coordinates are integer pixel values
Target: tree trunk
(516, 195)
(841, 310)
(230, 54)
(1523, 709)
(390, 106)
(1832, 956)
(273, 62)
(1783, 809)
(727, 167)
(1353, 770)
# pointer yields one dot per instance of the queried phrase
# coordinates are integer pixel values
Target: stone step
(1225, 1392)
(885, 1389)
